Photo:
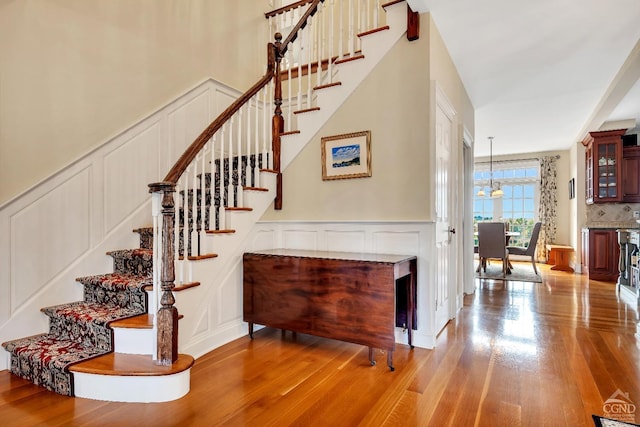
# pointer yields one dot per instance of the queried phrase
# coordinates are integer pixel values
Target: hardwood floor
(518, 354)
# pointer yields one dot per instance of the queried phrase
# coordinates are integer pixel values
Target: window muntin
(518, 207)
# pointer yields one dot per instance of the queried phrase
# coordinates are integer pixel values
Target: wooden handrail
(293, 35)
(187, 157)
(286, 8)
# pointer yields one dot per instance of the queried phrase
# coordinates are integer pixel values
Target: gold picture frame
(346, 156)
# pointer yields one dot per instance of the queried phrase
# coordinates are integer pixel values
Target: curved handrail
(302, 22)
(287, 8)
(191, 152)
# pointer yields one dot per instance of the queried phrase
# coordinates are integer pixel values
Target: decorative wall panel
(48, 235)
(128, 170)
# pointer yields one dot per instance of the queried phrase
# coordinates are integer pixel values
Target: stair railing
(227, 157)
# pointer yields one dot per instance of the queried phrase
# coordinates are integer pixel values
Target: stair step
(133, 261)
(328, 85)
(227, 231)
(199, 257)
(255, 189)
(291, 132)
(238, 209)
(131, 365)
(87, 312)
(146, 237)
(307, 110)
(43, 359)
(116, 281)
(119, 377)
(351, 58)
(143, 321)
(375, 30)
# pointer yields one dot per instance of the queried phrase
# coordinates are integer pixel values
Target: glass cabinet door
(607, 175)
(604, 166)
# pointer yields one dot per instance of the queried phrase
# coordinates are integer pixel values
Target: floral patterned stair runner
(80, 330)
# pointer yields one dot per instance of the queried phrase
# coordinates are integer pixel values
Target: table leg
(251, 330)
(372, 359)
(390, 360)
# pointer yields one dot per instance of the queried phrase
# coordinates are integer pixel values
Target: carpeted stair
(80, 331)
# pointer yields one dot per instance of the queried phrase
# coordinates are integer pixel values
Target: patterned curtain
(548, 204)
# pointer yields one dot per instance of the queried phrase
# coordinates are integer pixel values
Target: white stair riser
(133, 341)
(143, 389)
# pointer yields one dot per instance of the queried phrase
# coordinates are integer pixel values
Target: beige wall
(394, 103)
(74, 73)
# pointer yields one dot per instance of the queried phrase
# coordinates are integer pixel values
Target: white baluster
(247, 169)
(289, 66)
(239, 200)
(203, 194)
(319, 36)
(301, 52)
(351, 29)
(310, 29)
(195, 249)
(178, 232)
(256, 142)
(156, 203)
(331, 40)
(268, 130)
(265, 91)
(212, 184)
(221, 211)
(376, 14)
(341, 35)
(231, 201)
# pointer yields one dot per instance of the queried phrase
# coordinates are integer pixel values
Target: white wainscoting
(391, 237)
(61, 228)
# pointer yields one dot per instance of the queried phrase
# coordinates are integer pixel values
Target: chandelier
(494, 190)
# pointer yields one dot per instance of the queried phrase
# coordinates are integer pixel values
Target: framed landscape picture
(346, 156)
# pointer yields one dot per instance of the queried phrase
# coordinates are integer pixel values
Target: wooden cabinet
(601, 254)
(345, 296)
(603, 166)
(631, 174)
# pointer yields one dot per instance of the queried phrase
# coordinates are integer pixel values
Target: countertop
(627, 225)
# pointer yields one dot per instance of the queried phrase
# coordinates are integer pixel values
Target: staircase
(104, 346)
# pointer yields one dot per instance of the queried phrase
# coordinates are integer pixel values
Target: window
(519, 206)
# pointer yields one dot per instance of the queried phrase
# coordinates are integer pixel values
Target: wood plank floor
(547, 354)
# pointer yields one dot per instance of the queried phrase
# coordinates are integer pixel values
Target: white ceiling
(541, 74)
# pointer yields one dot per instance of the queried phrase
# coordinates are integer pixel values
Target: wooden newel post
(167, 315)
(277, 125)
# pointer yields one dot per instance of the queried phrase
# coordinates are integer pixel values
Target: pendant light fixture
(494, 191)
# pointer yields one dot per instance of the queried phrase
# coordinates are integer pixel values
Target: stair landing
(132, 378)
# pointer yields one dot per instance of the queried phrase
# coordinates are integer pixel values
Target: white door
(445, 260)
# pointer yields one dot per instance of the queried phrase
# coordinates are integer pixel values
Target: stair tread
(116, 281)
(226, 231)
(143, 321)
(131, 253)
(131, 365)
(86, 312)
(51, 350)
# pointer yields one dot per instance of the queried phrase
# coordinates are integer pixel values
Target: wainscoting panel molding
(62, 227)
(128, 170)
(47, 236)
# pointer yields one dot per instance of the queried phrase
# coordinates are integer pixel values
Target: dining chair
(530, 249)
(492, 245)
